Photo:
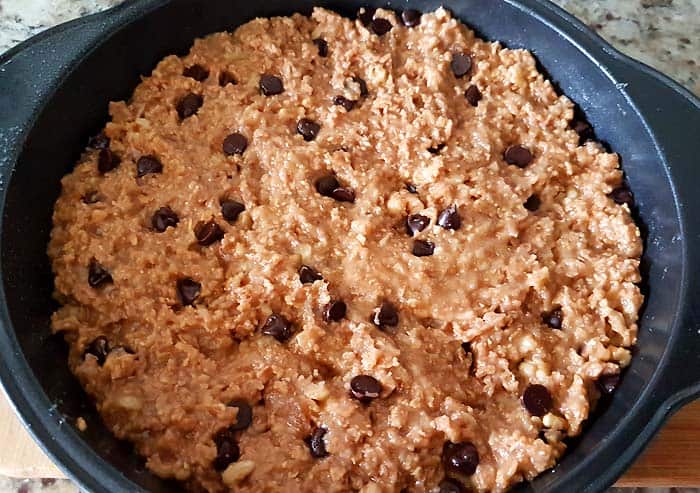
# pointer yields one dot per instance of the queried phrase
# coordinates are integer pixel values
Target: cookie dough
(321, 254)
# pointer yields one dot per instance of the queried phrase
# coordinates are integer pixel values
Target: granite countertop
(662, 33)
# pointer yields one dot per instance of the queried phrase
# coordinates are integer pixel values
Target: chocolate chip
(365, 16)
(334, 311)
(208, 232)
(467, 348)
(316, 443)
(187, 290)
(380, 26)
(622, 195)
(343, 194)
(322, 46)
(99, 141)
(537, 400)
(460, 458)
(308, 275)
(346, 103)
(189, 105)
(231, 209)
(245, 414)
(363, 86)
(553, 318)
(461, 64)
(99, 348)
(365, 388)
(449, 485)
(196, 72)
(163, 218)
(415, 223)
(607, 383)
(532, 203)
(326, 184)
(147, 165)
(235, 143)
(518, 155)
(98, 275)
(308, 129)
(449, 218)
(473, 95)
(436, 149)
(226, 78)
(386, 315)
(583, 129)
(411, 188)
(278, 327)
(410, 17)
(227, 451)
(271, 85)
(107, 161)
(91, 197)
(423, 248)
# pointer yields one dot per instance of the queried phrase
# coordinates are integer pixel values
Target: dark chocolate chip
(278, 327)
(147, 165)
(322, 46)
(308, 275)
(365, 388)
(316, 444)
(99, 141)
(622, 195)
(553, 318)
(189, 105)
(410, 17)
(226, 78)
(188, 290)
(98, 275)
(196, 72)
(607, 383)
(245, 414)
(411, 188)
(415, 223)
(231, 209)
(271, 85)
(308, 129)
(236, 143)
(423, 248)
(449, 218)
(343, 194)
(163, 218)
(208, 232)
(532, 203)
(467, 348)
(473, 95)
(227, 451)
(460, 458)
(380, 26)
(436, 149)
(386, 315)
(107, 161)
(346, 103)
(449, 485)
(99, 348)
(91, 197)
(363, 85)
(326, 184)
(461, 64)
(334, 311)
(537, 400)
(518, 155)
(365, 16)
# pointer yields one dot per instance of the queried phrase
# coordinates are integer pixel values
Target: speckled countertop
(662, 33)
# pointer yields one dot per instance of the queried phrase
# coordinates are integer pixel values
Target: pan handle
(672, 114)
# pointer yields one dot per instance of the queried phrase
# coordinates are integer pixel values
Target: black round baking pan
(54, 91)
